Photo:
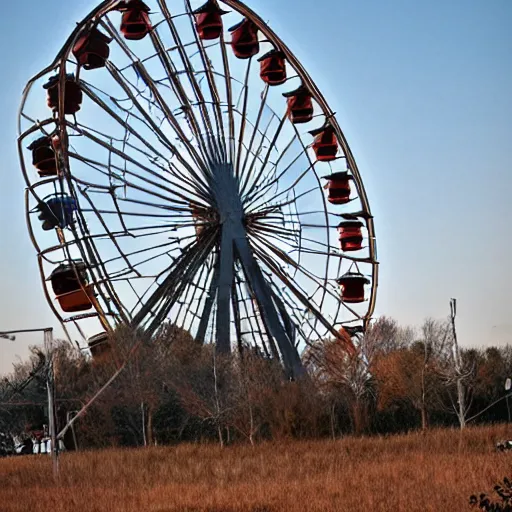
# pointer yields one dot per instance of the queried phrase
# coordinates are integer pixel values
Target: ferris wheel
(183, 167)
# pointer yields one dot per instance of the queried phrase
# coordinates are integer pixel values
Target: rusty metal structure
(175, 173)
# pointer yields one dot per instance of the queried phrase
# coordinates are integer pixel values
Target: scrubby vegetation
(176, 390)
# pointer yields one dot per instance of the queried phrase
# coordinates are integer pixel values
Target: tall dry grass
(433, 472)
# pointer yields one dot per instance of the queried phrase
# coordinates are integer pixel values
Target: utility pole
(50, 386)
(460, 375)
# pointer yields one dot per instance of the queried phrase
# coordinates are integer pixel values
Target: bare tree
(457, 373)
(341, 366)
(256, 379)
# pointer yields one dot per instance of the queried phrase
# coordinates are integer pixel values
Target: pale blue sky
(422, 91)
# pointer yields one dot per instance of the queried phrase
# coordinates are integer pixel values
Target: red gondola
(339, 187)
(73, 293)
(300, 105)
(352, 287)
(244, 39)
(135, 23)
(351, 235)
(92, 50)
(325, 144)
(273, 67)
(209, 20)
(73, 95)
(99, 346)
(43, 157)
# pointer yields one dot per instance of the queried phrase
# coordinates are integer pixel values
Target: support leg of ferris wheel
(235, 247)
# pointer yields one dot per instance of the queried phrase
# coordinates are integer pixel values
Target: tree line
(173, 389)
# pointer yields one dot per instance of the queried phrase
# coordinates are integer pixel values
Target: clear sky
(422, 90)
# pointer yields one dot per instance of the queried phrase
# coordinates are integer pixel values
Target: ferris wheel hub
(226, 192)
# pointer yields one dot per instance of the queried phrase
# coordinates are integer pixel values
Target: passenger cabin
(325, 144)
(352, 287)
(244, 39)
(273, 68)
(338, 185)
(135, 22)
(73, 95)
(57, 212)
(99, 346)
(91, 49)
(300, 105)
(43, 157)
(70, 285)
(209, 20)
(351, 235)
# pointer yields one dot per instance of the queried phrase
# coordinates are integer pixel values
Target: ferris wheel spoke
(288, 189)
(112, 238)
(178, 204)
(279, 231)
(253, 328)
(257, 154)
(243, 118)
(209, 149)
(171, 118)
(110, 191)
(143, 251)
(272, 207)
(173, 294)
(89, 91)
(248, 150)
(326, 216)
(285, 257)
(218, 141)
(105, 236)
(150, 123)
(192, 301)
(141, 71)
(338, 254)
(300, 295)
(178, 272)
(260, 189)
(272, 252)
(214, 91)
(229, 99)
(101, 166)
(125, 157)
(209, 302)
(295, 317)
(195, 284)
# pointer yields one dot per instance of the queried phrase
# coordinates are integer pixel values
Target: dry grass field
(433, 472)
